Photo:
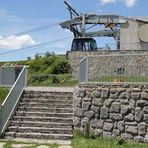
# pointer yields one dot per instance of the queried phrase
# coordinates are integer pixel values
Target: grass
(8, 144)
(80, 141)
(51, 80)
(121, 79)
(3, 94)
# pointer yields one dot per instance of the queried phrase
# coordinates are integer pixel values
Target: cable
(36, 29)
(33, 46)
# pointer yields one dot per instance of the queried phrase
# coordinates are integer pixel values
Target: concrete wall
(113, 110)
(129, 39)
(107, 62)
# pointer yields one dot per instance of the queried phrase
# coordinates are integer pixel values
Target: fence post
(86, 70)
(83, 70)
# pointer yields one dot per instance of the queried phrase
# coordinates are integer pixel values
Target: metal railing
(9, 104)
(114, 68)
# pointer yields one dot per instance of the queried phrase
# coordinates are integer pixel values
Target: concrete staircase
(43, 115)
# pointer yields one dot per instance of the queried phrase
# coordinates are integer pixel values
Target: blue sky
(20, 15)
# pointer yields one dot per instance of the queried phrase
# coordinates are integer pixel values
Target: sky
(19, 16)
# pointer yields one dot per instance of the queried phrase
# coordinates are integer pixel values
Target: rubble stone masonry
(112, 110)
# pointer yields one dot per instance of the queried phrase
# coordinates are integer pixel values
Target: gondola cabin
(83, 44)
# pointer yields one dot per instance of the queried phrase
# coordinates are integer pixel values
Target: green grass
(121, 79)
(51, 80)
(8, 144)
(3, 94)
(79, 141)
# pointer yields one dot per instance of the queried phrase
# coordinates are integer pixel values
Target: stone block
(146, 139)
(131, 129)
(84, 121)
(86, 106)
(108, 126)
(104, 113)
(144, 96)
(145, 118)
(108, 102)
(138, 114)
(105, 93)
(96, 123)
(115, 133)
(77, 102)
(113, 96)
(115, 107)
(131, 123)
(141, 103)
(95, 94)
(124, 101)
(89, 114)
(78, 112)
(87, 99)
(125, 109)
(138, 139)
(107, 134)
(135, 95)
(132, 103)
(115, 116)
(98, 132)
(121, 126)
(142, 128)
(122, 95)
(145, 109)
(97, 102)
(80, 92)
(127, 136)
(95, 109)
(129, 117)
(76, 121)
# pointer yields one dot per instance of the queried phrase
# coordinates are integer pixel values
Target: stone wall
(107, 62)
(113, 110)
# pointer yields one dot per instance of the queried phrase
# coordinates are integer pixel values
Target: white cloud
(107, 1)
(16, 42)
(128, 3)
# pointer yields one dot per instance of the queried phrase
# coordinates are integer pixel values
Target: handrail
(12, 99)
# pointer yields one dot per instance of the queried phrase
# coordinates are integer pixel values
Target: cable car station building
(130, 35)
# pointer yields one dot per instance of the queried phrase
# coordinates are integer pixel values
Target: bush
(3, 94)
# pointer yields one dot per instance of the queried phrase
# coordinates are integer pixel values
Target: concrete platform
(51, 89)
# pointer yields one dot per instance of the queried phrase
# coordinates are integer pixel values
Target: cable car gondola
(83, 44)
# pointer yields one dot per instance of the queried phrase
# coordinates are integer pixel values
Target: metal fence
(114, 68)
(9, 74)
(12, 99)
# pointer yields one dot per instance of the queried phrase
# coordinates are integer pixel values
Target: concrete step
(43, 114)
(45, 93)
(39, 136)
(32, 100)
(46, 109)
(55, 97)
(40, 130)
(43, 119)
(35, 104)
(40, 124)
